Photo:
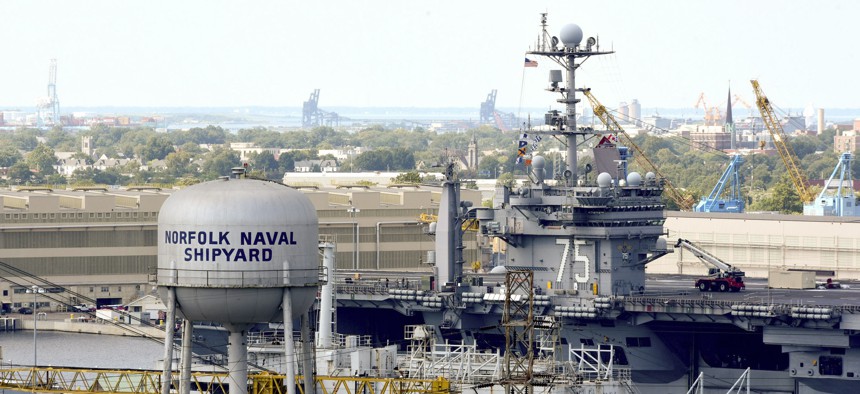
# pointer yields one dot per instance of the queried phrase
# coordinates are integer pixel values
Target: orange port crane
(713, 115)
(685, 203)
(780, 140)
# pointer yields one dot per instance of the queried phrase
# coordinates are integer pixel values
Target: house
(147, 306)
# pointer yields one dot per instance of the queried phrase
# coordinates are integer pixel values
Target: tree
(42, 158)
(410, 177)
(157, 147)
(220, 162)
(385, 160)
(180, 164)
(286, 162)
(61, 140)
(782, 197)
(266, 163)
(9, 156)
(19, 173)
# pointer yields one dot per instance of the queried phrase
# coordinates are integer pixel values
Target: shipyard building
(101, 243)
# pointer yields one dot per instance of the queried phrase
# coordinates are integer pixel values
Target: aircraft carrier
(582, 239)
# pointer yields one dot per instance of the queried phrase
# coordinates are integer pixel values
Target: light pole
(352, 213)
(35, 290)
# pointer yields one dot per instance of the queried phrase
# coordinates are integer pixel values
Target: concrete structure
(758, 243)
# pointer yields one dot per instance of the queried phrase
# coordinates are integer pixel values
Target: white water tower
(237, 251)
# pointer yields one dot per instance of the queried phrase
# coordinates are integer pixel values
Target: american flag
(531, 63)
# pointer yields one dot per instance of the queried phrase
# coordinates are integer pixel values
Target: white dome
(571, 35)
(634, 179)
(604, 179)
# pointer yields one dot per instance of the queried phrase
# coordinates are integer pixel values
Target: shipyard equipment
(49, 106)
(313, 116)
(733, 202)
(713, 114)
(783, 146)
(488, 108)
(489, 114)
(837, 197)
(722, 276)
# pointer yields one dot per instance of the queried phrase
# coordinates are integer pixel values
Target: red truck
(722, 277)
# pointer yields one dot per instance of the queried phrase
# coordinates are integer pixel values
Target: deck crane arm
(685, 203)
(707, 257)
(723, 277)
(780, 140)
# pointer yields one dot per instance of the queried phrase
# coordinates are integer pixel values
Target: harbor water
(62, 349)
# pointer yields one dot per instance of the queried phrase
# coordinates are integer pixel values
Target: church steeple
(472, 154)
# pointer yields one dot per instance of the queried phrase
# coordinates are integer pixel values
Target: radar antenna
(570, 55)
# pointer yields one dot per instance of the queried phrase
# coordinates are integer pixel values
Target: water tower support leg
(307, 353)
(185, 365)
(168, 340)
(237, 361)
(289, 347)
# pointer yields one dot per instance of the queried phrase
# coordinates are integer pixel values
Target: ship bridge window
(638, 341)
(586, 341)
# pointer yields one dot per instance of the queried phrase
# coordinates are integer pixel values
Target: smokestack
(820, 121)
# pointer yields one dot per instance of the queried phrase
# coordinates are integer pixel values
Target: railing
(105, 381)
(240, 278)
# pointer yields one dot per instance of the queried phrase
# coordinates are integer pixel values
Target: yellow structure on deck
(684, 202)
(106, 381)
(468, 224)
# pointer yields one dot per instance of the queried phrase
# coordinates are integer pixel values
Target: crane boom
(685, 203)
(705, 256)
(780, 140)
(723, 277)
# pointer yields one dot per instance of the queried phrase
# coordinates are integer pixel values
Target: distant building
(714, 137)
(847, 141)
(316, 166)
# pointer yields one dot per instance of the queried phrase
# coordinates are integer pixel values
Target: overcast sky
(422, 53)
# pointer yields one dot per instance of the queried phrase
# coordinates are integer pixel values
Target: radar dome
(538, 162)
(604, 179)
(230, 248)
(650, 176)
(571, 35)
(634, 179)
(499, 269)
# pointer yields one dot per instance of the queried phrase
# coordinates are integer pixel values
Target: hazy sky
(421, 53)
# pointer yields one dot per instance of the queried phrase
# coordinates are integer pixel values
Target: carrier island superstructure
(586, 235)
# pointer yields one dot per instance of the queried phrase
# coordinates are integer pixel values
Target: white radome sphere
(571, 35)
(634, 179)
(604, 179)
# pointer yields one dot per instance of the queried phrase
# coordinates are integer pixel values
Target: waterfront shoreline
(66, 322)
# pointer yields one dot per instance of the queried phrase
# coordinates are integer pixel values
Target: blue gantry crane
(837, 197)
(733, 203)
